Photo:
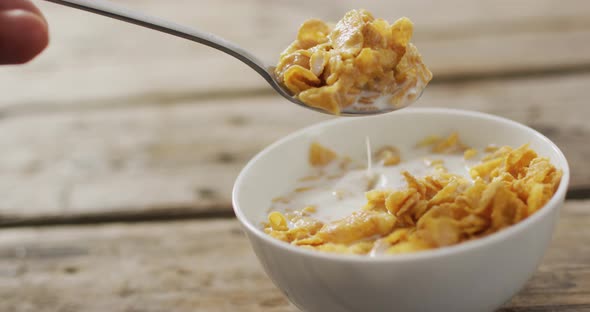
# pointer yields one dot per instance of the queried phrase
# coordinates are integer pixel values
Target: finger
(23, 35)
(26, 5)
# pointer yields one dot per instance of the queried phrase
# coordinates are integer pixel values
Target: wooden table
(120, 145)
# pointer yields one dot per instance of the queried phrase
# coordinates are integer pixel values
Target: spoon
(106, 8)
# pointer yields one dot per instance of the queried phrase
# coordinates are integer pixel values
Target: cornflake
(507, 186)
(359, 59)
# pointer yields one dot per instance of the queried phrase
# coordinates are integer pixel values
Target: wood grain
(183, 157)
(194, 266)
(96, 61)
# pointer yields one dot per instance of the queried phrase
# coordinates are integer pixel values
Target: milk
(405, 95)
(337, 193)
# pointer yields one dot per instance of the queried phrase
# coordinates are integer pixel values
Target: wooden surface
(209, 266)
(185, 156)
(106, 61)
(116, 125)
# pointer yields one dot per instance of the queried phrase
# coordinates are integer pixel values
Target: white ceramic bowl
(474, 276)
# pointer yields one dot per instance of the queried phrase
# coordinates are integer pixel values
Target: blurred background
(120, 123)
(114, 117)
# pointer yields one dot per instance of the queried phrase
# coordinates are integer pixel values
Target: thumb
(23, 32)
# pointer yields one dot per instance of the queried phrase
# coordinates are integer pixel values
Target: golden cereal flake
(377, 34)
(500, 152)
(397, 235)
(473, 224)
(281, 199)
(388, 156)
(318, 61)
(300, 79)
(429, 141)
(377, 197)
(303, 189)
(433, 162)
(326, 98)
(303, 228)
(443, 145)
(413, 244)
(486, 169)
(347, 36)
(518, 160)
(310, 209)
(402, 31)
(491, 148)
(469, 153)
(439, 232)
(539, 195)
(447, 145)
(277, 221)
(359, 225)
(311, 33)
(320, 155)
(311, 225)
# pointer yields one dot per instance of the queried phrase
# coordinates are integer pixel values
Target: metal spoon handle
(106, 8)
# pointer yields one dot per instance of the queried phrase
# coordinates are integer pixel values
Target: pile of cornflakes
(442, 209)
(357, 60)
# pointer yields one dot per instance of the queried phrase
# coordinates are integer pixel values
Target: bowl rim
(552, 204)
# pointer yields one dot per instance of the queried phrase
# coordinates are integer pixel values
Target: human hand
(23, 31)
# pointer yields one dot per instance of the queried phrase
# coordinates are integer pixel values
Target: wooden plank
(183, 158)
(193, 266)
(100, 162)
(106, 60)
(562, 282)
